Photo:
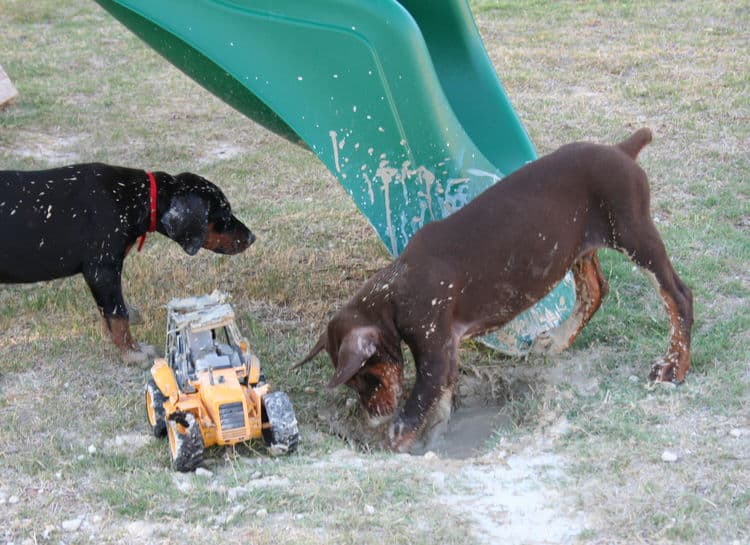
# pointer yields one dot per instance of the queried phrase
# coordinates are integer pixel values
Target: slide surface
(397, 98)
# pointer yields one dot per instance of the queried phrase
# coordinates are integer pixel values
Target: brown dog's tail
(633, 145)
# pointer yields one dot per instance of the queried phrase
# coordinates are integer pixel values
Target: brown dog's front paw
(400, 436)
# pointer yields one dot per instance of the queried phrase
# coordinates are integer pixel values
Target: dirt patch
(49, 149)
(507, 498)
(479, 410)
(221, 151)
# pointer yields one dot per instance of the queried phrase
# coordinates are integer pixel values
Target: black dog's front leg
(104, 281)
(437, 374)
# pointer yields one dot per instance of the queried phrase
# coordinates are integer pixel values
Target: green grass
(90, 91)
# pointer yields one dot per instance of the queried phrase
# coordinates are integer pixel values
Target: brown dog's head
(365, 360)
(199, 216)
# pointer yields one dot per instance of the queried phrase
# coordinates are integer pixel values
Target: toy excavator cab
(209, 388)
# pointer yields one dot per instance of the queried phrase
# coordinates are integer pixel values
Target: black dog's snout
(244, 236)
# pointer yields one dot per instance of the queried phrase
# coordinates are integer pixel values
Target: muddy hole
(480, 408)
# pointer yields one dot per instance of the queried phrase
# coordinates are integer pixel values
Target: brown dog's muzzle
(379, 388)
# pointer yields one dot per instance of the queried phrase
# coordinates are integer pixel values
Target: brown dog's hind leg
(647, 250)
(591, 288)
(678, 300)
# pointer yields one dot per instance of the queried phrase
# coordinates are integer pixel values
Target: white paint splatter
(387, 174)
(333, 136)
(484, 174)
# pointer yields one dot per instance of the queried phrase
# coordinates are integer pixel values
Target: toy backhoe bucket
(397, 98)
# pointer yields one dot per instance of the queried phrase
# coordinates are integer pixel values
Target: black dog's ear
(186, 222)
(356, 348)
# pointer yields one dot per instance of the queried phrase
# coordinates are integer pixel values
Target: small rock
(633, 378)
(72, 525)
(309, 390)
(92, 449)
(737, 432)
(669, 456)
(203, 472)
(369, 510)
(13, 500)
(261, 513)
(140, 529)
(429, 455)
(351, 402)
(119, 441)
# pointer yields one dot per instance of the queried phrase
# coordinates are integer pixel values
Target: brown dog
(480, 267)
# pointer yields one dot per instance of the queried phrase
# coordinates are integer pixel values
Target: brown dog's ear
(356, 348)
(320, 345)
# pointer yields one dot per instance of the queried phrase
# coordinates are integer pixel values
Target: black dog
(84, 219)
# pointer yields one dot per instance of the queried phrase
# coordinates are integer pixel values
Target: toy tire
(155, 409)
(185, 448)
(283, 434)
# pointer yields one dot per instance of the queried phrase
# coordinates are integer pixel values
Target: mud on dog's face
(378, 384)
(361, 361)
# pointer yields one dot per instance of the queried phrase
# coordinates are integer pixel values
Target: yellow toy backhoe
(209, 389)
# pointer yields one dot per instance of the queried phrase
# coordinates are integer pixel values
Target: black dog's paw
(136, 358)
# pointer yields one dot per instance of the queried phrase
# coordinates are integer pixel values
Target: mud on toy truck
(209, 389)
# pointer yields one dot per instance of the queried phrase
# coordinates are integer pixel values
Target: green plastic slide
(397, 98)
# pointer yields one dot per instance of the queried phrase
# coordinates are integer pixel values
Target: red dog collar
(152, 195)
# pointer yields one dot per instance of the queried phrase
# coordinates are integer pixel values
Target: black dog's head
(199, 216)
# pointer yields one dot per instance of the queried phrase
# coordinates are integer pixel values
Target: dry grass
(90, 91)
